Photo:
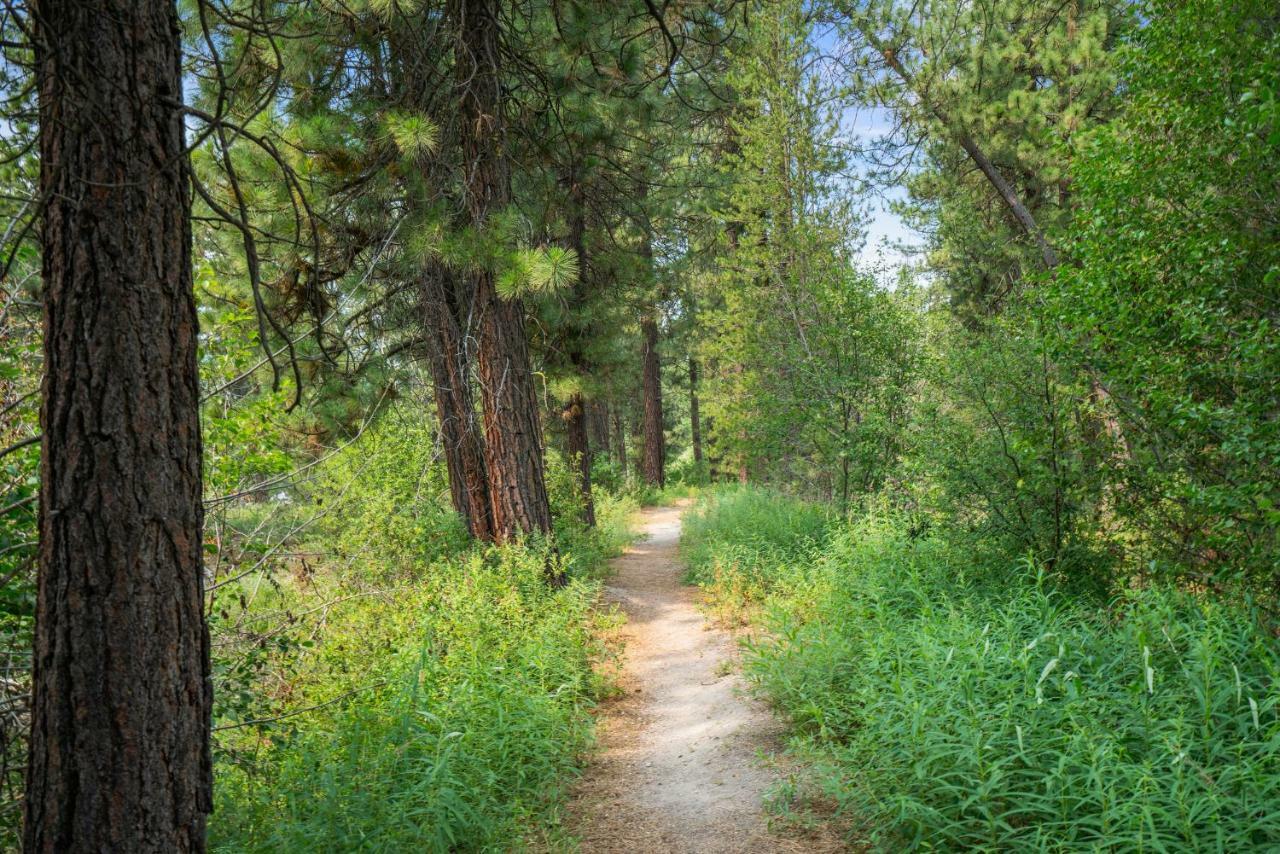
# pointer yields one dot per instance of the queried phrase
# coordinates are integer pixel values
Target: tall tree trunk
(620, 439)
(512, 432)
(450, 359)
(575, 410)
(119, 755)
(713, 459)
(652, 467)
(598, 413)
(447, 302)
(575, 420)
(695, 424)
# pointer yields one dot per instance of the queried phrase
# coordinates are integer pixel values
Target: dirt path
(679, 769)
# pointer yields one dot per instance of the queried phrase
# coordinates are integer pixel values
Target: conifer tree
(512, 427)
(653, 465)
(119, 751)
(997, 92)
(446, 309)
(804, 344)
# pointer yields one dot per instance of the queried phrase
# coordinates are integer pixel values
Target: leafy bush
(686, 471)
(950, 705)
(1172, 291)
(387, 497)
(1006, 448)
(606, 473)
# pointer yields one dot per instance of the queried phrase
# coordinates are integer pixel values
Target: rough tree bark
(598, 419)
(447, 305)
(450, 359)
(652, 466)
(620, 439)
(695, 423)
(713, 459)
(575, 419)
(575, 408)
(119, 753)
(512, 432)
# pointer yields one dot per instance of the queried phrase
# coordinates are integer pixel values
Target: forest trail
(679, 768)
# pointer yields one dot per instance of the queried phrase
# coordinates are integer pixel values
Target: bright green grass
(445, 703)
(947, 706)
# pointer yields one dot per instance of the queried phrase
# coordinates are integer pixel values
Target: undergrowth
(946, 705)
(405, 692)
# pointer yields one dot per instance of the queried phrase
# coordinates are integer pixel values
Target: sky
(884, 228)
(863, 125)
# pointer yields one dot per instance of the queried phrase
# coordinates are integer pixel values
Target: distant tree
(987, 97)
(653, 462)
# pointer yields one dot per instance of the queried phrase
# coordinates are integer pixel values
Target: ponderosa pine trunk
(575, 410)
(652, 467)
(598, 419)
(512, 432)
(620, 440)
(119, 753)
(575, 421)
(446, 301)
(695, 424)
(713, 459)
(450, 360)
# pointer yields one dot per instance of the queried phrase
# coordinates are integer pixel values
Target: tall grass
(743, 542)
(413, 693)
(458, 708)
(948, 705)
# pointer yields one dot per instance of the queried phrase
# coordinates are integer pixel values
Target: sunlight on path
(679, 767)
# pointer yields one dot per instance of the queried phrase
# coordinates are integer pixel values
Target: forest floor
(686, 756)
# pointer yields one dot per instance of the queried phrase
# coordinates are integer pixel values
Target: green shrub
(949, 705)
(606, 473)
(1170, 297)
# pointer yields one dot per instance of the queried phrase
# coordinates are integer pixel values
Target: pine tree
(119, 752)
(998, 90)
(513, 432)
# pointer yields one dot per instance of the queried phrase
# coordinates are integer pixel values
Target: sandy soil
(680, 767)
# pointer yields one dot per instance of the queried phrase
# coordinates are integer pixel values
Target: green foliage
(402, 691)
(1022, 79)
(530, 270)
(951, 705)
(1001, 450)
(768, 526)
(387, 497)
(415, 137)
(606, 474)
(471, 686)
(1172, 297)
(737, 538)
(689, 472)
(808, 358)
